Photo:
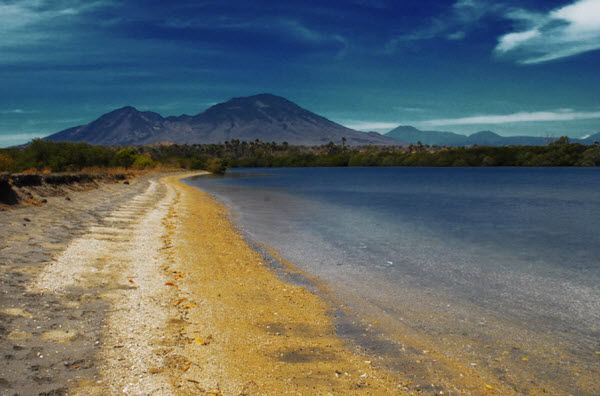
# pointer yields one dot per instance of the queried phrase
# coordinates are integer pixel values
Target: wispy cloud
(369, 125)
(537, 116)
(7, 140)
(454, 25)
(16, 111)
(561, 33)
(29, 21)
(287, 28)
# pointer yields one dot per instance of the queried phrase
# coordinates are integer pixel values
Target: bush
(6, 162)
(143, 161)
(125, 157)
(216, 166)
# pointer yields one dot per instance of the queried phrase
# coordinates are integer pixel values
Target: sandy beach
(147, 288)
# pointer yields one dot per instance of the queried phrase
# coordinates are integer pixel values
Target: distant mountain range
(265, 117)
(409, 134)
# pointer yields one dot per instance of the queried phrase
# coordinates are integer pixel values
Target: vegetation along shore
(64, 156)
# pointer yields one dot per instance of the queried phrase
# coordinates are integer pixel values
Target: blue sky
(514, 67)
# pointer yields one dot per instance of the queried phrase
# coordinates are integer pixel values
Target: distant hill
(265, 117)
(409, 134)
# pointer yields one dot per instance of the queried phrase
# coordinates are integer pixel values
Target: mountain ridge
(264, 116)
(410, 134)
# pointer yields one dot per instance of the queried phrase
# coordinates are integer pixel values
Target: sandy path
(122, 260)
(50, 338)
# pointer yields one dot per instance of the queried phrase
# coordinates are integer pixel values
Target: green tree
(125, 157)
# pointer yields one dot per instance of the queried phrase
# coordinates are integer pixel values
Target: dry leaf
(170, 284)
(179, 301)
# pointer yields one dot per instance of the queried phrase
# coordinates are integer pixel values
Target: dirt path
(50, 335)
(121, 259)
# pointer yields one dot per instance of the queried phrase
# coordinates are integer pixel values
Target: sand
(147, 288)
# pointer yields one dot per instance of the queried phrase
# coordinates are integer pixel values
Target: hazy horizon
(513, 67)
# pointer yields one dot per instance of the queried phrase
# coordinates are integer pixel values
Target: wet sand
(148, 289)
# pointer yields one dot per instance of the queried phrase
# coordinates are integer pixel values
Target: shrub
(125, 157)
(6, 162)
(143, 161)
(216, 166)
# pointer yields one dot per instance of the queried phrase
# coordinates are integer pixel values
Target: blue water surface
(519, 242)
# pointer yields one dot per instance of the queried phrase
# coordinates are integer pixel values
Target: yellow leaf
(524, 359)
(192, 304)
(597, 352)
(199, 340)
(375, 322)
(489, 386)
(186, 367)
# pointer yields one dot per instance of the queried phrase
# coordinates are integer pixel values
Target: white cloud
(455, 24)
(29, 21)
(369, 125)
(537, 116)
(561, 33)
(18, 138)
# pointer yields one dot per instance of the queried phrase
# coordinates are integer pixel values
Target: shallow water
(459, 258)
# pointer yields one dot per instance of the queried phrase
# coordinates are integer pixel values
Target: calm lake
(494, 269)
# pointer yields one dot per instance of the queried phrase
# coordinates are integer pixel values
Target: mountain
(122, 126)
(265, 117)
(409, 134)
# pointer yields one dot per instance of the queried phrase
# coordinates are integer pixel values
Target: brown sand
(242, 330)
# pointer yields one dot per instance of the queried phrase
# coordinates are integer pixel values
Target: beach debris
(131, 281)
(375, 322)
(525, 359)
(186, 367)
(169, 284)
(597, 352)
(203, 341)
(488, 386)
(176, 303)
(190, 305)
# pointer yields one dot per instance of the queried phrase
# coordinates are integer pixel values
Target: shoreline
(150, 288)
(269, 336)
(147, 288)
(496, 356)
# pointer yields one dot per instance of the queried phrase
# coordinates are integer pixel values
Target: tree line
(43, 155)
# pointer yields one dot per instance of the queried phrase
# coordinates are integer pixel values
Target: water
(471, 255)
